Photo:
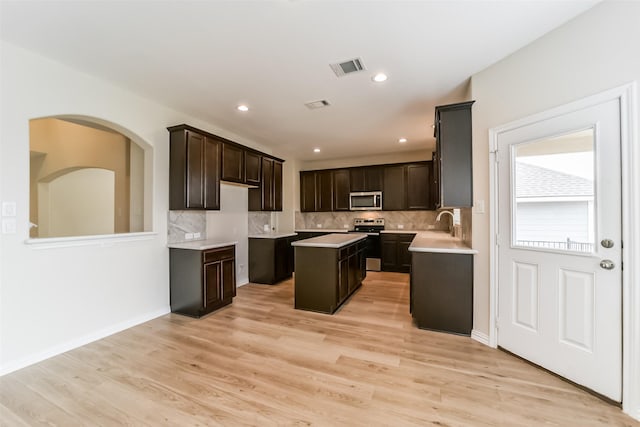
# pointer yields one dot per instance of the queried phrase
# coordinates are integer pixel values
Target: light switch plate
(188, 236)
(8, 208)
(196, 235)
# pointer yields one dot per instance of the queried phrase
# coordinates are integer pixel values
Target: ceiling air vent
(313, 105)
(347, 67)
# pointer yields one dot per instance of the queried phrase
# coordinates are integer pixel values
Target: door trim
(630, 165)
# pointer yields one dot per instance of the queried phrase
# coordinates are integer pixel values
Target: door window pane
(553, 200)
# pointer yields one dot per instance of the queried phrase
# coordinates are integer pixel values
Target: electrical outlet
(400, 226)
(9, 226)
(196, 235)
(431, 227)
(345, 225)
(318, 225)
(188, 236)
(8, 208)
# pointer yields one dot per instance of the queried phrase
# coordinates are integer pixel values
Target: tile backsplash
(182, 222)
(257, 221)
(409, 220)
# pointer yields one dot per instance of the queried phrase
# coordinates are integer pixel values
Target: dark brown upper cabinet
(394, 190)
(307, 191)
(453, 170)
(419, 178)
(232, 163)
(368, 178)
(194, 170)
(341, 189)
(404, 186)
(324, 191)
(252, 167)
(241, 165)
(268, 197)
(316, 191)
(200, 160)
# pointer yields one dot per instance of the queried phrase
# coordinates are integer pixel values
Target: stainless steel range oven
(372, 227)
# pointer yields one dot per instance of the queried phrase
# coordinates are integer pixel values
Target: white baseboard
(80, 341)
(481, 337)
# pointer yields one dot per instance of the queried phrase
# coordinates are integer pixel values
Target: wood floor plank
(259, 362)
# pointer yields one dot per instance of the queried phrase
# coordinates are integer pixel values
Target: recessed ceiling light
(243, 108)
(402, 140)
(379, 78)
(316, 150)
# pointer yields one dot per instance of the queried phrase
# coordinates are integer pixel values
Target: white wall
(54, 299)
(231, 223)
(397, 157)
(79, 203)
(594, 52)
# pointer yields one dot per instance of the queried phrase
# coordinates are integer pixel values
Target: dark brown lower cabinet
(326, 277)
(395, 255)
(201, 281)
(442, 291)
(270, 260)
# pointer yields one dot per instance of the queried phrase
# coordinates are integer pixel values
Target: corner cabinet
(270, 260)
(395, 255)
(201, 281)
(199, 161)
(194, 170)
(452, 160)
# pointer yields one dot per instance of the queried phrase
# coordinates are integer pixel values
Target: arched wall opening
(61, 145)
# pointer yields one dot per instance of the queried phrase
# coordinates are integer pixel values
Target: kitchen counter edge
(334, 240)
(272, 235)
(202, 245)
(439, 242)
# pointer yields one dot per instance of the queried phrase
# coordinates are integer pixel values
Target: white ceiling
(206, 57)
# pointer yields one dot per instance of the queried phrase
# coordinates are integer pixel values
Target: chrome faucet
(440, 216)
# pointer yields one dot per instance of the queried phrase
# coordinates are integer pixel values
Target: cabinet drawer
(213, 255)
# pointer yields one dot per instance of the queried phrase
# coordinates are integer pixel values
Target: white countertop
(274, 235)
(334, 240)
(439, 241)
(322, 230)
(201, 245)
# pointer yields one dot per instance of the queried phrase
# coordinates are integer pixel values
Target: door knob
(607, 264)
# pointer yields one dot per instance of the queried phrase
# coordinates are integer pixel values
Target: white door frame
(630, 153)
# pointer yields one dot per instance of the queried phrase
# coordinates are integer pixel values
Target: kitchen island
(441, 283)
(328, 269)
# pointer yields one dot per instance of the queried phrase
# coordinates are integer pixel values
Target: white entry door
(559, 246)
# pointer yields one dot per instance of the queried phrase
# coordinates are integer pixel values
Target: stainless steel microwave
(365, 201)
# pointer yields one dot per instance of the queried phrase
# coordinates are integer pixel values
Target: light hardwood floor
(259, 362)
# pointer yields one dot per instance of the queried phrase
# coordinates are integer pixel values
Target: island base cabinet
(442, 291)
(201, 281)
(325, 277)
